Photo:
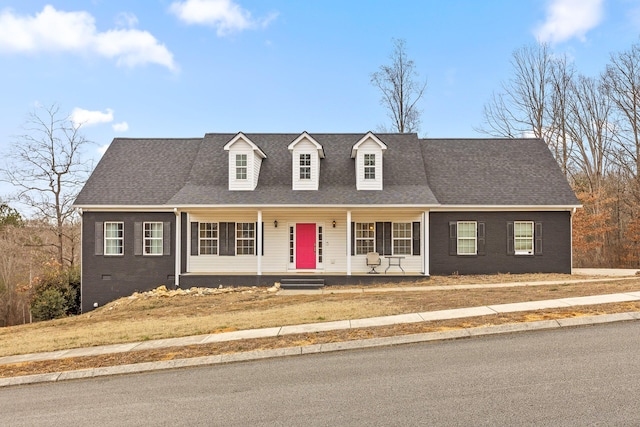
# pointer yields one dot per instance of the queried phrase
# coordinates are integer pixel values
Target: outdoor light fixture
(275, 223)
(334, 223)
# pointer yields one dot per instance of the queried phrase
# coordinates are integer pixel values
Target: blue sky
(181, 68)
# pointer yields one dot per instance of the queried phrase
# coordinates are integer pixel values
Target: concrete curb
(319, 348)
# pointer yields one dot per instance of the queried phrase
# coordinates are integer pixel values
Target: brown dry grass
(131, 320)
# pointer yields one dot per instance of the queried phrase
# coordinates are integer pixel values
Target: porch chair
(373, 261)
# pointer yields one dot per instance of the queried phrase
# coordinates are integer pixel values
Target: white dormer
(245, 159)
(368, 154)
(306, 153)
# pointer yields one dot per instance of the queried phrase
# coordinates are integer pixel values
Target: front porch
(210, 280)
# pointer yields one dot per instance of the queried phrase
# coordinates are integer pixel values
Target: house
(254, 209)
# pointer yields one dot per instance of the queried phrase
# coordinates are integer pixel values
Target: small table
(397, 262)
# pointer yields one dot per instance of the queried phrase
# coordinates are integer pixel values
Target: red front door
(305, 246)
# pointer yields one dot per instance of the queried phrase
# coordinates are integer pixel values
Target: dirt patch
(145, 318)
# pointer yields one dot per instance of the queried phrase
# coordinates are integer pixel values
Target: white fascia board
(298, 207)
(304, 135)
(369, 135)
(128, 208)
(242, 136)
(498, 208)
(432, 208)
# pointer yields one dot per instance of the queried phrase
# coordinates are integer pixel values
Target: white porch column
(178, 246)
(425, 242)
(259, 244)
(348, 243)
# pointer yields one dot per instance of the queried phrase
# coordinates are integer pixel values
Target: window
(245, 238)
(320, 244)
(369, 166)
(208, 238)
(467, 237)
(113, 238)
(365, 235)
(402, 238)
(305, 166)
(291, 245)
(241, 166)
(523, 237)
(153, 238)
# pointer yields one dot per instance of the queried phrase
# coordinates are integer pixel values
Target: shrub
(56, 293)
(49, 304)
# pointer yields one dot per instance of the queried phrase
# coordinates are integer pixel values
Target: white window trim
(516, 238)
(305, 166)
(104, 231)
(369, 167)
(474, 238)
(238, 238)
(145, 238)
(217, 238)
(244, 168)
(372, 239)
(394, 238)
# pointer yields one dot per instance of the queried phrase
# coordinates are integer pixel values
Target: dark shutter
(227, 238)
(538, 238)
(383, 238)
(416, 238)
(510, 242)
(166, 238)
(453, 238)
(194, 239)
(481, 239)
(99, 249)
(353, 238)
(137, 238)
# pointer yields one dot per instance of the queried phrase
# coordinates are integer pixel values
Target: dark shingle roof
(495, 172)
(140, 172)
(178, 172)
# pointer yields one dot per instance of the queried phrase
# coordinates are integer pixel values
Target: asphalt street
(578, 376)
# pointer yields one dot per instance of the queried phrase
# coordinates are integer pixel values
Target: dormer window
(368, 154)
(306, 154)
(245, 160)
(369, 166)
(305, 166)
(241, 166)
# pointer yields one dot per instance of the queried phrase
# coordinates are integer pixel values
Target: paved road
(582, 376)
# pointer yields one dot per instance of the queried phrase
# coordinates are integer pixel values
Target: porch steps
(301, 283)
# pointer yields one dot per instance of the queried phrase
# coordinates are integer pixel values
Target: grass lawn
(148, 317)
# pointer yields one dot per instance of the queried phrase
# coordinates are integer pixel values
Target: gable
(368, 154)
(245, 160)
(306, 155)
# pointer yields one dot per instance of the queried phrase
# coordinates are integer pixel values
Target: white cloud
(567, 19)
(126, 20)
(120, 127)
(81, 117)
(225, 15)
(57, 31)
(103, 149)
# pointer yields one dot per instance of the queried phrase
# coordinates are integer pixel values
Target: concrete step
(301, 283)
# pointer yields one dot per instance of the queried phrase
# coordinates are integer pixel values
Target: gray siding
(105, 278)
(556, 244)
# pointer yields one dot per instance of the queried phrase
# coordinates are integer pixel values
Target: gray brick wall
(105, 278)
(556, 244)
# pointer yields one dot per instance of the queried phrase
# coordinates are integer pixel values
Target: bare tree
(622, 82)
(562, 75)
(521, 107)
(45, 166)
(401, 89)
(591, 129)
